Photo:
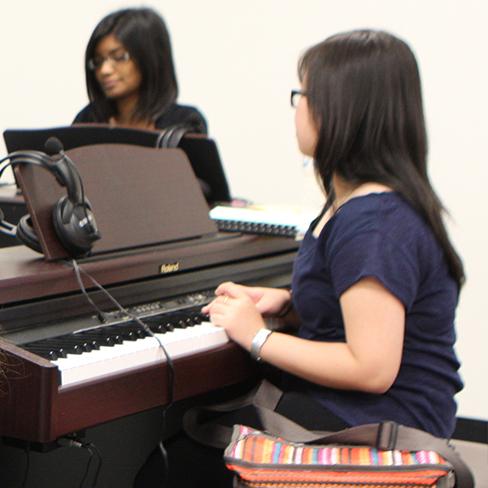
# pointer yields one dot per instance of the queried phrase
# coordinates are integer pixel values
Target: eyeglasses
(114, 58)
(295, 97)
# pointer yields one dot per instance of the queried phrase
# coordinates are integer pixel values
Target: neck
(345, 190)
(126, 108)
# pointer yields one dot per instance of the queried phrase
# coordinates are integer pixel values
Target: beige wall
(237, 62)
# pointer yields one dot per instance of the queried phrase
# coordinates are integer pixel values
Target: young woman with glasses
(130, 74)
(376, 281)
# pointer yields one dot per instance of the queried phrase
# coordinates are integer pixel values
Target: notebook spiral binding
(257, 228)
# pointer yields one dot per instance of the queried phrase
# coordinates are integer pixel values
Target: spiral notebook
(264, 219)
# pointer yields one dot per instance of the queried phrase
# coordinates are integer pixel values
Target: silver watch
(258, 342)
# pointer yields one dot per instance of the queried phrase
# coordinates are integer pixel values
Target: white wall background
(237, 62)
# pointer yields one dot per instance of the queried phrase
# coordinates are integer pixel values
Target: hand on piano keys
(89, 354)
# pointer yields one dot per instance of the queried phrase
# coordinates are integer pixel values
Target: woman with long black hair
(130, 74)
(376, 281)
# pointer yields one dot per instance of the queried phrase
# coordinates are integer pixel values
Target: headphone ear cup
(75, 226)
(27, 235)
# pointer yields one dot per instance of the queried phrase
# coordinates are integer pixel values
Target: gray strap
(210, 433)
(387, 435)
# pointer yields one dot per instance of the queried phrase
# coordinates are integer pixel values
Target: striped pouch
(260, 460)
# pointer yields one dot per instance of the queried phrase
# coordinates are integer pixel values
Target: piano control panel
(158, 307)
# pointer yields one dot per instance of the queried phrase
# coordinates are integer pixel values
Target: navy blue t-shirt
(379, 235)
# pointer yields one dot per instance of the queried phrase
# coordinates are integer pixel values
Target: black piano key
(198, 318)
(59, 347)
(132, 330)
(159, 323)
(139, 331)
(117, 334)
(169, 327)
(174, 320)
(68, 346)
(76, 343)
(98, 338)
(117, 338)
(128, 332)
(181, 324)
(161, 327)
(45, 352)
(184, 321)
(54, 348)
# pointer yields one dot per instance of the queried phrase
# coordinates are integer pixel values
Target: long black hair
(144, 34)
(363, 90)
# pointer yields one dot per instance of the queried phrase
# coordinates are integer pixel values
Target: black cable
(99, 464)
(88, 464)
(27, 465)
(39, 155)
(164, 456)
(32, 161)
(100, 314)
(74, 441)
(170, 370)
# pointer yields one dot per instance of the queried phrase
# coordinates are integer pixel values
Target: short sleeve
(370, 249)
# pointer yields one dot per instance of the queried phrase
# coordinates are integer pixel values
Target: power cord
(87, 469)
(93, 453)
(95, 450)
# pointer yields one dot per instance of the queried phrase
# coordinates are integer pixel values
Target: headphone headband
(73, 219)
(171, 136)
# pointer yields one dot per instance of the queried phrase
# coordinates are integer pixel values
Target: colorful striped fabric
(262, 460)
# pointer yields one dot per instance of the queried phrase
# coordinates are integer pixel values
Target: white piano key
(76, 368)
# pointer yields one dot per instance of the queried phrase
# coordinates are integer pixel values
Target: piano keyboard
(104, 350)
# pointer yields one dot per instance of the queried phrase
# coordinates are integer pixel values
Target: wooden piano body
(39, 298)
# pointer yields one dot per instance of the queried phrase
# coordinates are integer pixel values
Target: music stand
(140, 197)
(201, 151)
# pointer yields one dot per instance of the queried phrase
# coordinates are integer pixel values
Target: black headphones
(171, 136)
(72, 217)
